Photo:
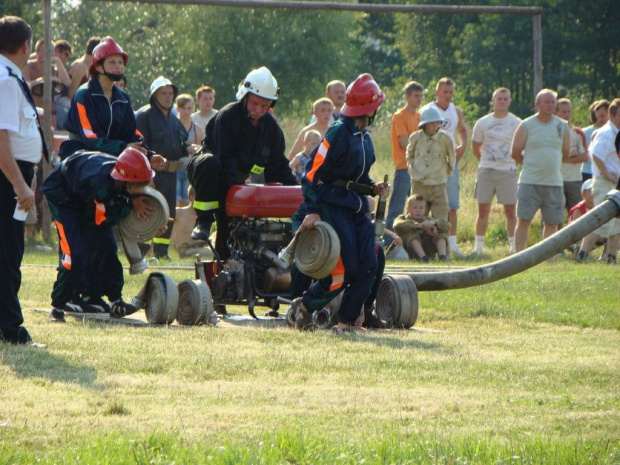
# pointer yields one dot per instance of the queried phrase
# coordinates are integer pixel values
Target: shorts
(549, 199)
(454, 189)
(600, 189)
(490, 182)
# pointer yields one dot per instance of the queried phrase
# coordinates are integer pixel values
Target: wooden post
(537, 53)
(47, 117)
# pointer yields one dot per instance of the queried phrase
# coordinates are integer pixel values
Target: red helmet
(363, 97)
(132, 166)
(107, 47)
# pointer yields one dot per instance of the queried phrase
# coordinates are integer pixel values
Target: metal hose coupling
(134, 230)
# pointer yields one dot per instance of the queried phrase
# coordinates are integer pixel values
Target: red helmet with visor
(363, 97)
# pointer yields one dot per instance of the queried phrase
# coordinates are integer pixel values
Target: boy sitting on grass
(422, 236)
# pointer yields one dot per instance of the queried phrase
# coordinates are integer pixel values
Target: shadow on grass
(394, 339)
(32, 363)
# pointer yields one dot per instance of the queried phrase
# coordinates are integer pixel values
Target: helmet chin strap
(371, 118)
(160, 106)
(110, 76)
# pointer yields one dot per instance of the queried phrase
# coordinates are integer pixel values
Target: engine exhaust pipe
(460, 279)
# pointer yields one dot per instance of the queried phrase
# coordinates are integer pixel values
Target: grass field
(525, 370)
(522, 371)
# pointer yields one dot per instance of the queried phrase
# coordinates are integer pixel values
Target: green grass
(524, 370)
(521, 371)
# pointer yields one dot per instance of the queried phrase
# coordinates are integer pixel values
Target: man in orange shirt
(404, 122)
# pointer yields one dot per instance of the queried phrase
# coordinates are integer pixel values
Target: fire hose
(160, 299)
(544, 250)
(315, 250)
(134, 230)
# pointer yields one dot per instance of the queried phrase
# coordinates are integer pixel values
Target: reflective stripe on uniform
(99, 212)
(206, 206)
(85, 122)
(161, 240)
(337, 275)
(319, 158)
(65, 259)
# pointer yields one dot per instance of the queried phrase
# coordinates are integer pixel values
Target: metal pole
(47, 108)
(537, 52)
(367, 7)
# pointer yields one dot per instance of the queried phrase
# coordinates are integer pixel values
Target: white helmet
(162, 82)
(430, 115)
(259, 82)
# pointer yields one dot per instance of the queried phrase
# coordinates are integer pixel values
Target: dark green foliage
(194, 45)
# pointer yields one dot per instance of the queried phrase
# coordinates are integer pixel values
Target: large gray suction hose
(438, 281)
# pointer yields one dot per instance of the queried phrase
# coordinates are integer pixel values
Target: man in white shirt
(20, 151)
(497, 171)
(606, 174)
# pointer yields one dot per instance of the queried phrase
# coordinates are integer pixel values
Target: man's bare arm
(518, 144)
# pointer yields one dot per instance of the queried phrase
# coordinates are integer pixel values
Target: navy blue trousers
(88, 259)
(356, 269)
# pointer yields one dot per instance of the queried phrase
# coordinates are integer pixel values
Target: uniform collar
(95, 88)
(5, 62)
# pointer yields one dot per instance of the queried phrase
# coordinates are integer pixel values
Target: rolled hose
(133, 230)
(317, 250)
(195, 303)
(160, 299)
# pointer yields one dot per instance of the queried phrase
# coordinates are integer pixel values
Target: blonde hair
(501, 90)
(562, 101)
(184, 99)
(322, 101)
(444, 81)
(312, 133)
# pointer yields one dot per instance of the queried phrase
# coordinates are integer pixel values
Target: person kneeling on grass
(423, 237)
(88, 193)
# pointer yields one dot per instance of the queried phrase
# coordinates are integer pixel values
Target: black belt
(364, 189)
(25, 164)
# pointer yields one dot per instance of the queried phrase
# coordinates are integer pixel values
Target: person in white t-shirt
(606, 175)
(497, 171)
(205, 98)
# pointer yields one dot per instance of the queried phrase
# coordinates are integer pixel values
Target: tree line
(195, 45)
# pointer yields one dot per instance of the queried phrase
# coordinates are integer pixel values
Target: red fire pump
(254, 274)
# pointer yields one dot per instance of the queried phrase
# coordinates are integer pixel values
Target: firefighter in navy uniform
(101, 118)
(87, 194)
(244, 139)
(335, 186)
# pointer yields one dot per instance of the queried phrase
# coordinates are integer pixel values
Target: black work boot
(202, 230)
(372, 321)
